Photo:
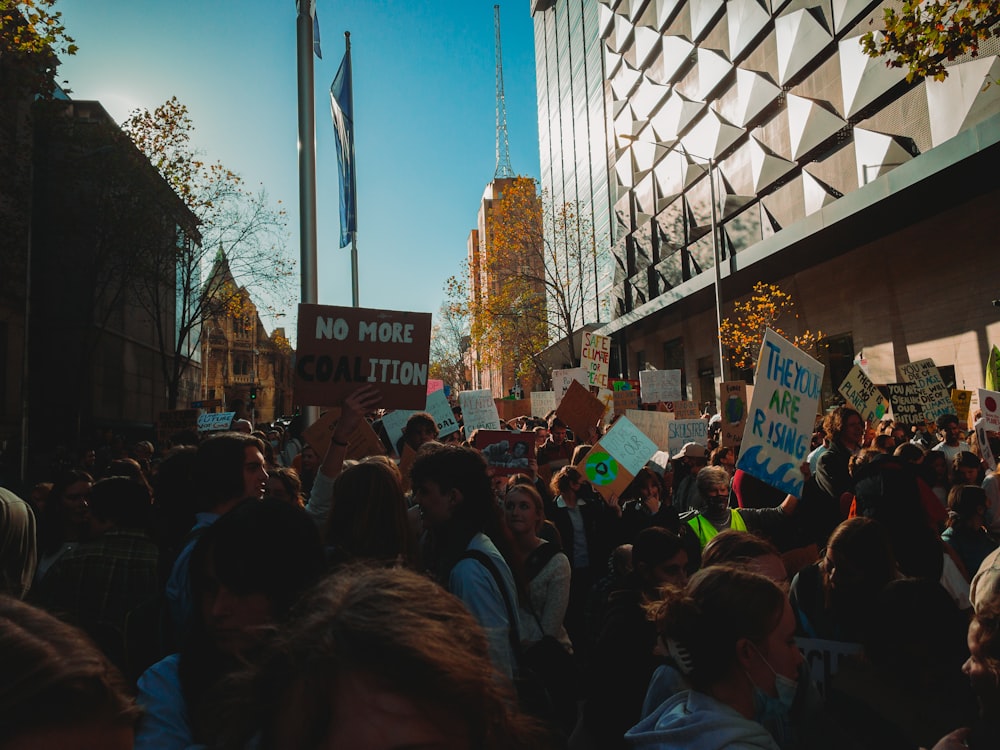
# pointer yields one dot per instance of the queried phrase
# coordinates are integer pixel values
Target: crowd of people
(246, 589)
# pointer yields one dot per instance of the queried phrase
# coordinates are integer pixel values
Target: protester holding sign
(845, 431)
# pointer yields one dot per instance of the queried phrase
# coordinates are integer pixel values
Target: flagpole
(354, 188)
(307, 166)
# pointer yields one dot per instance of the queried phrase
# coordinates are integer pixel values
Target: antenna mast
(503, 152)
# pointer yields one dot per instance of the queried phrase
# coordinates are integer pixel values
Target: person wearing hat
(951, 446)
(688, 461)
(713, 514)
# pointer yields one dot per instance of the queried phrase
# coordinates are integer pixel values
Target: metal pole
(307, 165)
(718, 270)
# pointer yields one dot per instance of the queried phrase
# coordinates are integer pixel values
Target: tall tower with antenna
(503, 152)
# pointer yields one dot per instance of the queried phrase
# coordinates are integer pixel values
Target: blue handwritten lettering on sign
(779, 428)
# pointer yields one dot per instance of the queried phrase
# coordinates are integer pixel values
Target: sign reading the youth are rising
(862, 395)
(923, 374)
(779, 428)
(596, 357)
(340, 348)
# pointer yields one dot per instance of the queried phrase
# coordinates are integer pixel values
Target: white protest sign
(595, 358)
(823, 658)
(393, 422)
(627, 445)
(660, 385)
(478, 411)
(607, 397)
(215, 422)
(562, 378)
(439, 408)
(989, 405)
(862, 395)
(779, 428)
(654, 425)
(937, 399)
(681, 431)
(983, 432)
(543, 402)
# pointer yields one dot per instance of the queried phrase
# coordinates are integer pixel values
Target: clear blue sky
(424, 96)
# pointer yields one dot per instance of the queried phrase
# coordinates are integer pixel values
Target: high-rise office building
(758, 132)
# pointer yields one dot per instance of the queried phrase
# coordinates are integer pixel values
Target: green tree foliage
(32, 36)
(921, 35)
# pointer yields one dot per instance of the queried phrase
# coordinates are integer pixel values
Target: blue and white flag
(315, 19)
(342, 109)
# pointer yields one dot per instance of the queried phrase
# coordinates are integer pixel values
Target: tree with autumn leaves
(921, 35)
(527, 284)
(767, 306)
(235, 223)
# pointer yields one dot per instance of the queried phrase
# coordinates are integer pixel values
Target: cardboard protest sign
(682, 409)
(626, 401)
(362, 442)
(681, 431)
(215, 422)
(654, 425)
(616, 458)
(580, 410)
(660, 385)
(479, 412)
(733, 409)
(595, 358)
(961, 400)
(439, 407)
(625, 385)
(907, 403)
(607, 397)
(434, 385)
(394, 422)
(923, 374)
(989, 405)
(562, 378)
(825, 657)
(776, 440)
(170, 422)
(510, 408)
(340, 348)
(542, 402)
(507, 452)
(983, 435)
(862, 395)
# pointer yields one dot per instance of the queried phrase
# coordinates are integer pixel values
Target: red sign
(342, 348)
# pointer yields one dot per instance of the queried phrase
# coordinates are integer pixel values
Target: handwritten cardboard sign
(607, 397)
(626, 401)
(862, 395)
(681, 431)
(660, 385)
(394, 422)
(989, 405)
(511, 408)
(542, 402)
(170, 422)
(439, 407)
(906, 400)
(823, 658)
(215, 422)
(654, 425)
(362, 442)
(776, 440)
(625, 385)
(596, 358)
(562, 378)
(733, 409)
(983, 435)
(507, 452)
(923, 374)
(479, 412)
(580, 410)
(434, 385)
(616, 458)
(961, 400)
(340, 348)
(681, 409)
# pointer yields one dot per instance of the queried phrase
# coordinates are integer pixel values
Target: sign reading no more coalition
(343, 348)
